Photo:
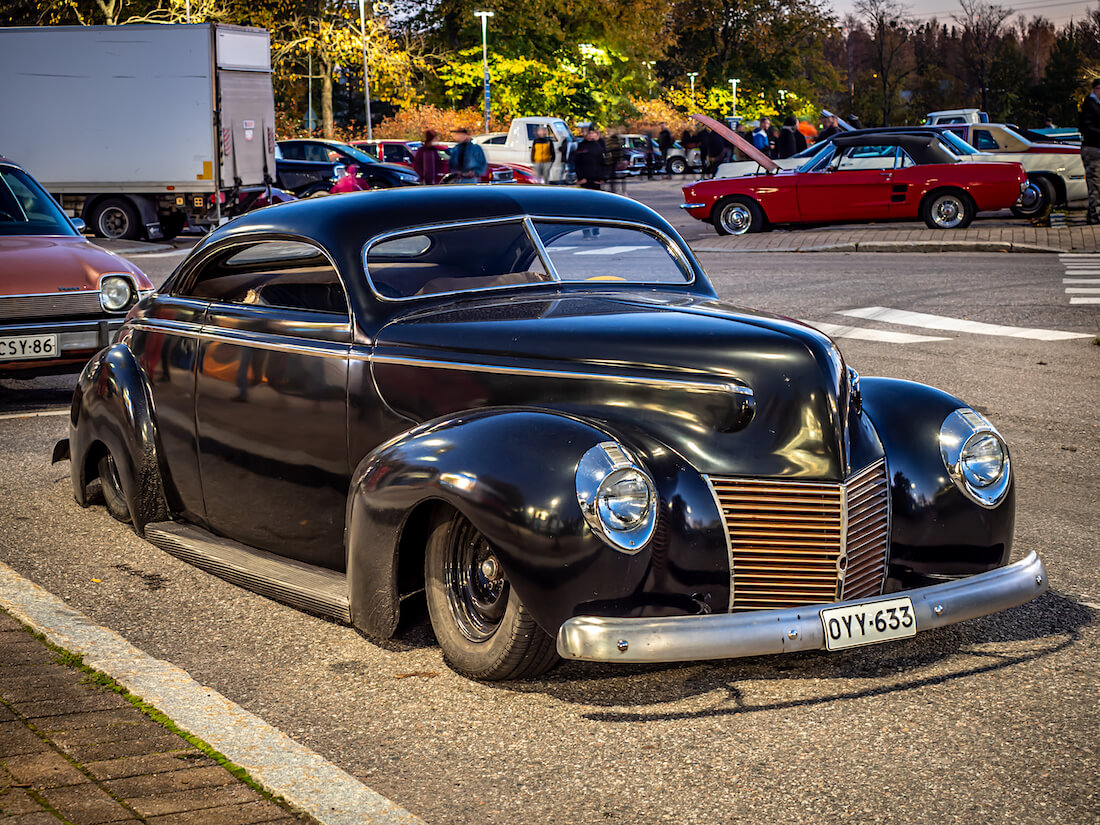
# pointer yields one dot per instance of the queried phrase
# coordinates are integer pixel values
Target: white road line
(556, 248)
(611, 250)
(1079, 289)
(277, 762)
(1085, 300)
(841, 331)
(921, 319)
(1081, 280)
(38, 414)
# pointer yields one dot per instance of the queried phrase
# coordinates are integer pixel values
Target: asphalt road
(991, 721)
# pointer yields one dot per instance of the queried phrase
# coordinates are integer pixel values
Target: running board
(316, 590)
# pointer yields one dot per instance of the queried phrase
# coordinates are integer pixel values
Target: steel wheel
(948, 210)
(482, 626)
(117, 218)
(737, 216)
(476, 588)
(1036, 201)
(677, 166)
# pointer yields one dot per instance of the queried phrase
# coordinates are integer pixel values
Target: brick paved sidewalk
(79, 753)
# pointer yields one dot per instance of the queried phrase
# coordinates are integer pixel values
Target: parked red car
(401, 152)
(870, 177)
(61, 297)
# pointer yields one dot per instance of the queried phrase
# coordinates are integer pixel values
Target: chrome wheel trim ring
(948, 211)
(113, 222)
(736, 218)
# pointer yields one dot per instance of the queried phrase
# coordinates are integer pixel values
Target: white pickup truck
(514, 146)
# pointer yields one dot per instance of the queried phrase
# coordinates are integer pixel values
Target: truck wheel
(117, 218)
(677, 166)
(947, 209)
(737, 216)
(481, 625)
(1037, 201)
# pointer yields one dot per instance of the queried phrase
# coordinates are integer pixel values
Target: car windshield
(956, 144)
(821, 157)
(497, 254)
(358, 154)
(25, 209)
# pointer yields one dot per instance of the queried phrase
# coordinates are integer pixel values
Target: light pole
(848, 49)
(485, 15)
(692, 76)
(366, 73)
(733, 88)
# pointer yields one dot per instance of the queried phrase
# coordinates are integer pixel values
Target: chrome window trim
(204, 256)
(260, 340)
(540, 247)
(532, 372)
(671, 247)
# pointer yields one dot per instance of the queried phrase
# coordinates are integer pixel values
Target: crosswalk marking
(921, 319)
(1095, 300)
(1070, 289)
(611, 250)
(889, 336)
(1081, 280)
(1079, 264)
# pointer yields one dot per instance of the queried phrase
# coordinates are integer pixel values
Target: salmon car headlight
(116, 293)
(617, 497)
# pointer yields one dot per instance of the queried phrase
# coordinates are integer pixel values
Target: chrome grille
(794, 543)
(54, 305)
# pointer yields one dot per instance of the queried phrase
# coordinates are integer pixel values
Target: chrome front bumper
(758, 633)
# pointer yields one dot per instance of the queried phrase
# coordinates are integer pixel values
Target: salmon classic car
(527, 407)
(864, 177)
(61, 298)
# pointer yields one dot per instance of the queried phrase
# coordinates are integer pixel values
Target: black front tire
(677, 166)
(737, 216)
(117, 218)
(1043, 201)
(482, 626)
(111, 486)
(947, 209)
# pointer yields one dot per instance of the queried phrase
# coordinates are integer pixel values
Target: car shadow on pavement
(639, 693)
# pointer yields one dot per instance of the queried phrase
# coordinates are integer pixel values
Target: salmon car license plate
(28, 346)
(866, 624)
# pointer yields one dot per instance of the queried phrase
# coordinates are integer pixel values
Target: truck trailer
(138, 129)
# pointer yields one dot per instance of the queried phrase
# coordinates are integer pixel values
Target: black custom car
(529, 404)
(307, 167)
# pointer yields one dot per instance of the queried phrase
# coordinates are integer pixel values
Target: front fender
(512, 472)
(111, 406)
(935, 529)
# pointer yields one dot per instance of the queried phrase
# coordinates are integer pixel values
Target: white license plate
(866, 624)
(31, 347)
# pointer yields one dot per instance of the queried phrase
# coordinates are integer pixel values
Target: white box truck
(137, 129)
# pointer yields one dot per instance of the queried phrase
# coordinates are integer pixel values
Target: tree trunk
(326, 101)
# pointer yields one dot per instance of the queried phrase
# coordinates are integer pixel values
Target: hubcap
(947, 211)
(476, 587)
(113, 222)
(736, 219)
(1030, 199)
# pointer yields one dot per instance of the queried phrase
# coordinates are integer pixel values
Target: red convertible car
(61, 298)
(870, 177)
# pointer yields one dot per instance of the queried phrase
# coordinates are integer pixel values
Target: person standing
(426, 160)
(616, 167)
(467, 159)
(829, 127)
(664, 143)
(542, 154)
(788, 141)
(761, 138)
(650, 154)
(1088, 122)
(588, 159)
(565, 152)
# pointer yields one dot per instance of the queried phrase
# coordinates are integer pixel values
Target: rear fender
(111, 407)
(935, 529)
(512, 473)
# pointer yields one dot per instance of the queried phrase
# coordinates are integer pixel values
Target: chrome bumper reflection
(759, 633)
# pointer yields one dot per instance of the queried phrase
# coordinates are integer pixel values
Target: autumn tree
(891, 52)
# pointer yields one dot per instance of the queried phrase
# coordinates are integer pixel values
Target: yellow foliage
(410, 123)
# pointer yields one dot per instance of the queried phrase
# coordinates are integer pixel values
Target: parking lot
(992, 720)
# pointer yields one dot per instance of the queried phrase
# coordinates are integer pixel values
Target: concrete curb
(894, 246)
(280, 765)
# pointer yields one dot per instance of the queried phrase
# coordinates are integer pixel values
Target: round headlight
(982, 460)
(617, 497)
(624, 499)
(976, 457)
(115, 293)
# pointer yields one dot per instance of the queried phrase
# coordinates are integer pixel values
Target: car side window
(903, 160)
(984, 141)
(867, 157)
(293, 151)
(283, 274)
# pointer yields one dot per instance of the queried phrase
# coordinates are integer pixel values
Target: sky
(1058, 11)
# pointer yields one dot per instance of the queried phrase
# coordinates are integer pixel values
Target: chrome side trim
(540, 247)
(764, 632)
(245, 337)
(674, 383)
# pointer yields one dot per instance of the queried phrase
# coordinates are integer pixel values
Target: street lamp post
(485, 15)
(692, 76)
(733, 88)
(366, 72)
